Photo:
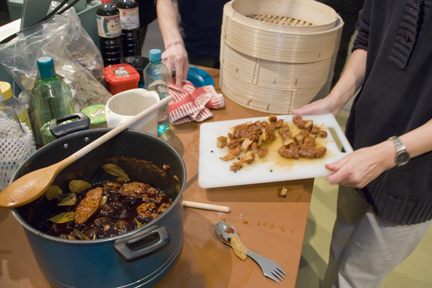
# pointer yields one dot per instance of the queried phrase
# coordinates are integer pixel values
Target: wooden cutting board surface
(213, 172)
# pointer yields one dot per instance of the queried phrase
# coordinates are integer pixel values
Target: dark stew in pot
(104, 210)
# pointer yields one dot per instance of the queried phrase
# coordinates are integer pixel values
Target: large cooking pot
(139, 258)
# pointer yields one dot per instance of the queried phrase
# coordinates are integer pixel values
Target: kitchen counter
(267, 224)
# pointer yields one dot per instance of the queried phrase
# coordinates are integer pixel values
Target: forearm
(419, 140)
(351, 80)
(168, 19)
(364, 165)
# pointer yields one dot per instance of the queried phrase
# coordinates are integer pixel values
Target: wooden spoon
(32, 185)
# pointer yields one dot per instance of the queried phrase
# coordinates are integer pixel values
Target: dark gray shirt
(396, 97)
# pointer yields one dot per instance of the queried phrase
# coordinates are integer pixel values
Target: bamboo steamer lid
(273, 67)
(312, 16)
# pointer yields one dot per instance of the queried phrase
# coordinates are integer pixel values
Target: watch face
(402, 158)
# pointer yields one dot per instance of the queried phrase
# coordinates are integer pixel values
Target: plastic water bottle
(12, 101)
(51, 97)
(156, 79)
(16, 143)
(109, 30)
(10, 126)
(130, 24)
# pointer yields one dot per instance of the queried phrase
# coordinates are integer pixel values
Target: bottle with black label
(129, 17)
(109, 30)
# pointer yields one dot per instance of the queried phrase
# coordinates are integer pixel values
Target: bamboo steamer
(272, 67)
(275, 75)
(278, 101)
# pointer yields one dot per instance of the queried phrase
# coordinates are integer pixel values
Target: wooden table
(267, 224)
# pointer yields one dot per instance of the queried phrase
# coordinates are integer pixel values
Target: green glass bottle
(51, 97)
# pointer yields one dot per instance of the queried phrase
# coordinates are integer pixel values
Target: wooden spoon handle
(206, 206)
(131, 121)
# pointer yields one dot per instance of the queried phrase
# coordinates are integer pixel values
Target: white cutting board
(213, 172)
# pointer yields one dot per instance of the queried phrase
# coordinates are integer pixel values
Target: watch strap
(402, 155)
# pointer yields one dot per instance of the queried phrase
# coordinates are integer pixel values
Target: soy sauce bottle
(130, 37)
(109, 30)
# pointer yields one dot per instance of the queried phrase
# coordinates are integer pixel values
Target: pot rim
(178, 199)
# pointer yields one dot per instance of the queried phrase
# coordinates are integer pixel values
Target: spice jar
(96, 113)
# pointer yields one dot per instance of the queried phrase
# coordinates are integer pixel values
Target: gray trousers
(364, 248)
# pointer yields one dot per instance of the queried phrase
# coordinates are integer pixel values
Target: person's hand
(362, 166)
(322, 106)
(175, 57)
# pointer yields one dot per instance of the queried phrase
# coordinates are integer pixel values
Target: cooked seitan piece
(222, 141)
(290, 152)
(299, 138)
(308, 151)
(309, 141)
(321, 151)
(88, 206)
(322, 134)
(262, 152)
(232, 154)
(134, 189)
(315, 129)
(246, 144)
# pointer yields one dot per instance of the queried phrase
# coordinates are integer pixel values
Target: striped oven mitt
(193, 104)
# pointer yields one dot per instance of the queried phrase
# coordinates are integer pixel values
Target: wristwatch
(402, 155)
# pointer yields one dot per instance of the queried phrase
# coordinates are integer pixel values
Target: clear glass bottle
(130, 23)
(13, 102)
(109, 30)
(51, 97)
(156, 79)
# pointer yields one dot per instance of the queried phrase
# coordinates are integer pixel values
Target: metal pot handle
(124, 246)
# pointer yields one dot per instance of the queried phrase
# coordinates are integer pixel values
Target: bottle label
(121, 72)
(24, 118)
(108, 26)
(129, 18)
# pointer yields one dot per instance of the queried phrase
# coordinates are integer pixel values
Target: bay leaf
(69, 200)
(238, 247)
(63, 217)
(177, 185)
(115, 170)
(77, 186)
(122, 179)
(139, 224)
(103, 200)
(80, 235)
(52, 192)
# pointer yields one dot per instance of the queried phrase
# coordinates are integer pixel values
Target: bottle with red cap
(109, 30)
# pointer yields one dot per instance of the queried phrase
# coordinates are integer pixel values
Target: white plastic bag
(77, 59)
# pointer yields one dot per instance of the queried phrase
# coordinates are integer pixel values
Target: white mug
(124, 105)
